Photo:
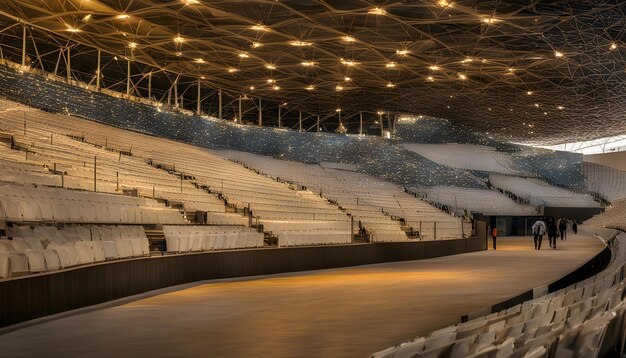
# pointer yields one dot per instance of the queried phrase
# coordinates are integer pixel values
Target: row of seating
(572, 322)
(182, 239)
(28, 250)
(606, 181)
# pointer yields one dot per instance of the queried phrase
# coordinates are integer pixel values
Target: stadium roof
(540, 71)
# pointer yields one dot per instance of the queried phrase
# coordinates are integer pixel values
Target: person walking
(494, 235)
(562, 228)
(575, 227)
(539, 229)
(552, 231)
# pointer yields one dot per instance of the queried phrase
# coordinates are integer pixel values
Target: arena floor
(347, 312)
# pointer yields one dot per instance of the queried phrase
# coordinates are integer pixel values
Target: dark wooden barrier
(30, 297)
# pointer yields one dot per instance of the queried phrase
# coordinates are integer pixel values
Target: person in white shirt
(539, 229)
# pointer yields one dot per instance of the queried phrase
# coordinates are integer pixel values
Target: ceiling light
(276, 88)
(259, 27)
(348, 62)
(256, 44)
(179, 53)
(377, 11)
(391, 85)
(443, 3)
(307, 63)
(191, 2)
(132, 44)
(403, 52)
(558, 54)
(489, 20)
(511, 69)
(87, 17)
(390, 65)
(529, 93)
(430, 79)
(433, 68)
(348, 38)
(178, 39)
(243, 55)
(338, 110)
(300, 43)
(613, 46)
(309, 88)
(270, 66)
(269, 80)
(380, 113)
(122, 16)
(251, 88)
(462, 76)
(202, 78)
(72, 29)
(347, 79)
(199, 60)
(339, 88)
(467, 60)
(232, 70)
(536, 105)
(560, 107)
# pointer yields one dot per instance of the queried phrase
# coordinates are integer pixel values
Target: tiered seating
(268, 200)
(373, 202)
(541, 193)
(613, 217)
(487, 202)
(571, 322)
(204, 238)
(48, 248)
(466, 156)
(606, 181)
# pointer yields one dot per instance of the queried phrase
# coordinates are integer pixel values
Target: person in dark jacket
(575, 228)
(552, 230)
(562, 228)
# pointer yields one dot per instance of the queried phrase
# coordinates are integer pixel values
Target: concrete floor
(347, 312)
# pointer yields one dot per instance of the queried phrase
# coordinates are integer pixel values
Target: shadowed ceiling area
(534, 71)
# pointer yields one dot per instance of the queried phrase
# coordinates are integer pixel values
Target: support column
(219, 100)
(380, 121)
(389, 122)
(150, 85)
(239, 113)
(98, 72)
(199, 99)
(69, 64)
(176, 92)
(318, 123)
(300, 120)
(24, 45)
(128, 77)
(260, 113)
(280, 121)
(360, 123)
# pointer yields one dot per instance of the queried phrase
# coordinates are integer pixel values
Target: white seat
(51, 257)
(36, 261)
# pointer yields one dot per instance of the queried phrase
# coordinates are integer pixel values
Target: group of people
(553, 228)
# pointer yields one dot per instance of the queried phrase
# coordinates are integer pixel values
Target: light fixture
(462, 76)
(307, 63)
(243, 55)
(309, 88)
(72, 29)
(467, 60)
(251, 88)
(191, 2)
(402, 52)
(276, 88)
(390, 65)
(348, 38)
(529, 93)
(300, 43)
(122, 16)
(338, 110)
(443, 3)
(256, 44)
(347, 79)
(132, 44)
(202, 78)
(259, 27)
(178, 39)
(536, 105)
(339, 88)
(430, 79)
(232, 70)
(511, 70)
(558, 54)
(270, 66)
(380, 113)
(349, 63)
(199, 60)
(613, 46)
(377, 11)
(489, 20)
(179, 53)
(434, 68)
(86, 17)
(560, 107)
(269, 80)
(391, 85)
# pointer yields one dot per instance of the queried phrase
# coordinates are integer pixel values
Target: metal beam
(24, 45)
(69, 64)
(128, 77)
(98, 71)
(260, 113)
(360, 123)
(240, 114)
(300, 120)
(219, 100)
(199, 99)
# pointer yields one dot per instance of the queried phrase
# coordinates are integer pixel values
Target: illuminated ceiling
(539, 71)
